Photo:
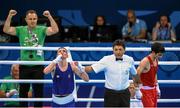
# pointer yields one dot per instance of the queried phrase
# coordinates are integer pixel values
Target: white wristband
(138, 93)
(57, 59)
(157, 88)
(81, 68)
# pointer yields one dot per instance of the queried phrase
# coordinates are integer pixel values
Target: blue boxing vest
(63, 82)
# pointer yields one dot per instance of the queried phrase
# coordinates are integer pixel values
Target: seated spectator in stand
(135, 28)
(11, 90)
(135, 94)
(163, 30)
(101, 32)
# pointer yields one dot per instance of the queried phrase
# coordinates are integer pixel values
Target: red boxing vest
(149, 78)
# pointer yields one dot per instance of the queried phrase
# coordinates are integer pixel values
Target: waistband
(62, 100)
(148, 87)
(64, 95)
(116, 91)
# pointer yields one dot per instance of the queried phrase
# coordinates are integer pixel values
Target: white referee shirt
(116, 72)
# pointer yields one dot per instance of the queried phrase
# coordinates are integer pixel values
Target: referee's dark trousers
(31, 72)
(114, 98)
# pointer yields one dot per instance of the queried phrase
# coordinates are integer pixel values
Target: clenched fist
(46, 13)
(12, 13)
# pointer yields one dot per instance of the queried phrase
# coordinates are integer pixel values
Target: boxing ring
(83, 63)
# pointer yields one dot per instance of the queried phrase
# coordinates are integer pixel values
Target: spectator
(135, 28)
(135, 94)
(100, 31)
(11, 90)
(31, 35)
(100, 20)
(163, 30)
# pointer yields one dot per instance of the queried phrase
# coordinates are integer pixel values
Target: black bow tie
(119, 59)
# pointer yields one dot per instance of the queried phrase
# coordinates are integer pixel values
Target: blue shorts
(70, 104)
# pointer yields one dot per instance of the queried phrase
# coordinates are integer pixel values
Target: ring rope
(84, 48)
(78, 81)
(82, 62)
(82, 100)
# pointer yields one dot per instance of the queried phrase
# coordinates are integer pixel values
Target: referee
(117, 68)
